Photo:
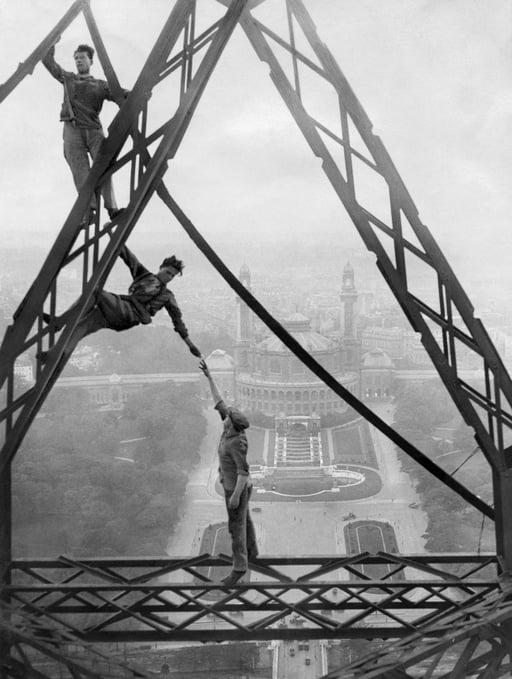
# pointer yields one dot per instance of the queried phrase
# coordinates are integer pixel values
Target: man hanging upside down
(146, 295)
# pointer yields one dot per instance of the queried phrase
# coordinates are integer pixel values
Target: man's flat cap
(238, 419)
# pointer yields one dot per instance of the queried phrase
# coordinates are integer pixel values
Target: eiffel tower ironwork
(399, 241)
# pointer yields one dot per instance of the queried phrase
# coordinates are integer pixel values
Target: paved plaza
(302, 528)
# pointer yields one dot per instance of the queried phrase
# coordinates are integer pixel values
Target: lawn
(353, 445)
(372, 536)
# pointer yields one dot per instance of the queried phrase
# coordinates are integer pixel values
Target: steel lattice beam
(27, 67)
(317, 369)
(19, 413)
(38, 648)
(472, 641)
(88, 247)
(332, 597)
(452, 298)
(488, 412)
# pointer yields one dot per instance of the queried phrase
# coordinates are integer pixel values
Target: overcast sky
(433, 75)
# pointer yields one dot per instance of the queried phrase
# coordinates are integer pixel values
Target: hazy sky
(434, 76)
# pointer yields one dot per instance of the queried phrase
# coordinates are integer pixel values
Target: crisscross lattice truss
(474, 642)
(160, 599)
(374, 196)
(37, 647)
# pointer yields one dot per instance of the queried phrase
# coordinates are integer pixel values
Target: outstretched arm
(213, 387)
(52, 66)
(177, 320)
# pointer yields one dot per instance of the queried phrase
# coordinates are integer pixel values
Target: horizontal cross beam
(327, 596)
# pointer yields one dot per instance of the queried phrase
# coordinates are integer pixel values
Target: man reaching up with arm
(82, 131)
(236, 482)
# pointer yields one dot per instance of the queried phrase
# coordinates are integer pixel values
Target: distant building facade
(263, 376)
(390, 340)
(377, 375)
(272, 381)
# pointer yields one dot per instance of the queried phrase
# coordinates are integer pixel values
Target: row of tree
(453, 525)
(147, 349)
(73, 491)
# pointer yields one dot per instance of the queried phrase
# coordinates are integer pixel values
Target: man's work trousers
(106, 310)
(79, 144)
(241, 529)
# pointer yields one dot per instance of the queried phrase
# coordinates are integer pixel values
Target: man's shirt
(232, 452)
(83, 95)
(149, 294)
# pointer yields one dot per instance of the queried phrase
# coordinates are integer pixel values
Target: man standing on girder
(147, 294)
(82, 134)
(236, 482)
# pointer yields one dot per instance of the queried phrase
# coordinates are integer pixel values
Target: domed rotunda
(272, 381)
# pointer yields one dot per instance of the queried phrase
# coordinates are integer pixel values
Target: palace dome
(300, 328)
(376, 358)
(220, 360)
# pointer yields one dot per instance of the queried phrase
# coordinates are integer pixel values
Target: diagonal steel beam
(295, 347)
(471, 625)
(345, 192)
(52, 643)
(495, 422)
(397, 283)
(33, 302)
(118, 132)
(27, 67)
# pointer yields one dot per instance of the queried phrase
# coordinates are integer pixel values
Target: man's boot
(232, 578)
(58, 322)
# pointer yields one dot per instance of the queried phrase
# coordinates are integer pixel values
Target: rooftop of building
(220, 360)
(383, 331)
(299, 326)
(376, 358)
